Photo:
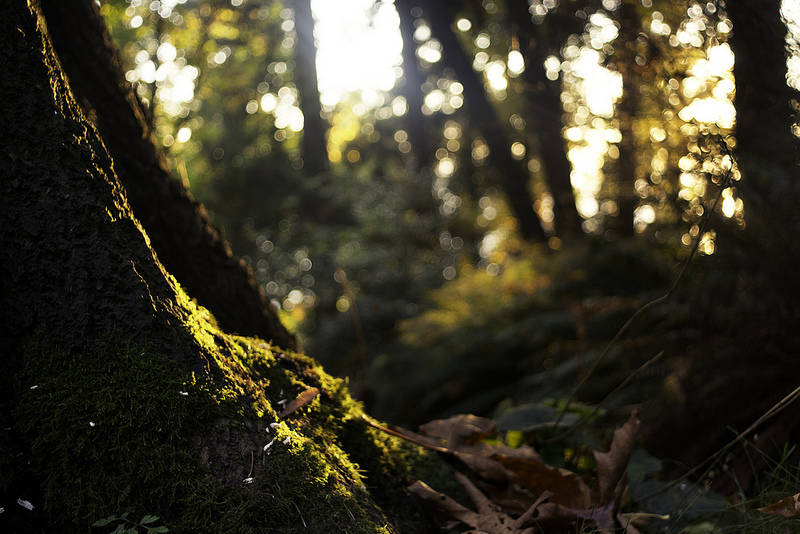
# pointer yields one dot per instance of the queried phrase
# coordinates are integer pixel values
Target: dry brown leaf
(627, 524)
(495, 450)
(490, 518)
(444, 503)
(523, 475)
(602, 516)
(536, 476)
(521, 467)
(301, 400)
(528, 514)
(464, 429)
(611, 465)
(484, 466)
(788, 507)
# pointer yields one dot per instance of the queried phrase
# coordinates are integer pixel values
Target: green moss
(111, 431)
(121, 428)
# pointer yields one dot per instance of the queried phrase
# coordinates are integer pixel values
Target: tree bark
(188, 245)
(117, 393)
(411, 88)
(543, 97)
(315, 152)
(514, 176)
(627, 111)
(766, 149)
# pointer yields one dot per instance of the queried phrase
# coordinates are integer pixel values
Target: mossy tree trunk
(180, 232)
(119, 394)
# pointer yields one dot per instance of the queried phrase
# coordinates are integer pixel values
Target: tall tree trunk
(315, 152)
(178, 227)
(411, 87)
(627, 111)
(543, 97)
(514, 176)
(117, 393)
(767, 151)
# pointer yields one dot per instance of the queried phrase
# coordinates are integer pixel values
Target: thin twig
(406, 437)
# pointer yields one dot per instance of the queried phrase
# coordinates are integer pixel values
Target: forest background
(463, 201)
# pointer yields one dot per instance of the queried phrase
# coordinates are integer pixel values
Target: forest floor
(705, 367)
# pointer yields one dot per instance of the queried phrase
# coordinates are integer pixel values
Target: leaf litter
(514, 488)
(788, 507)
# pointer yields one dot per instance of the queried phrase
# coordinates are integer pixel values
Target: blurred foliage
(409, 275)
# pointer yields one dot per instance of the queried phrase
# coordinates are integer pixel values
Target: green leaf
(105, 521)
(527, 417)
(146, 520)
(120, 529)
(156, 530)
(642, 464)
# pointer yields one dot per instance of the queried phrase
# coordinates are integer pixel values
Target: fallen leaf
(444, 503)
(301, 400)
(490, 518)
(524, 452)
(788, 507)
(520, 466)
(483, 465)
(464, 429)
(602, 516)
(611, 465)
(627, 523)
(536, 476)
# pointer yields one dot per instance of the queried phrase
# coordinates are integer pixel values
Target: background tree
(632, 63)
(543, 97)
(513, 177)
(411, 87)
(314, 156)
(764, 104)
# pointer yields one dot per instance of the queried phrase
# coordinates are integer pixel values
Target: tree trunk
(514, 176)
(178, 227)
(315, 152)
(627, 111)
(119, 394)
(411, 88)
(765, 147)
(543, 97)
